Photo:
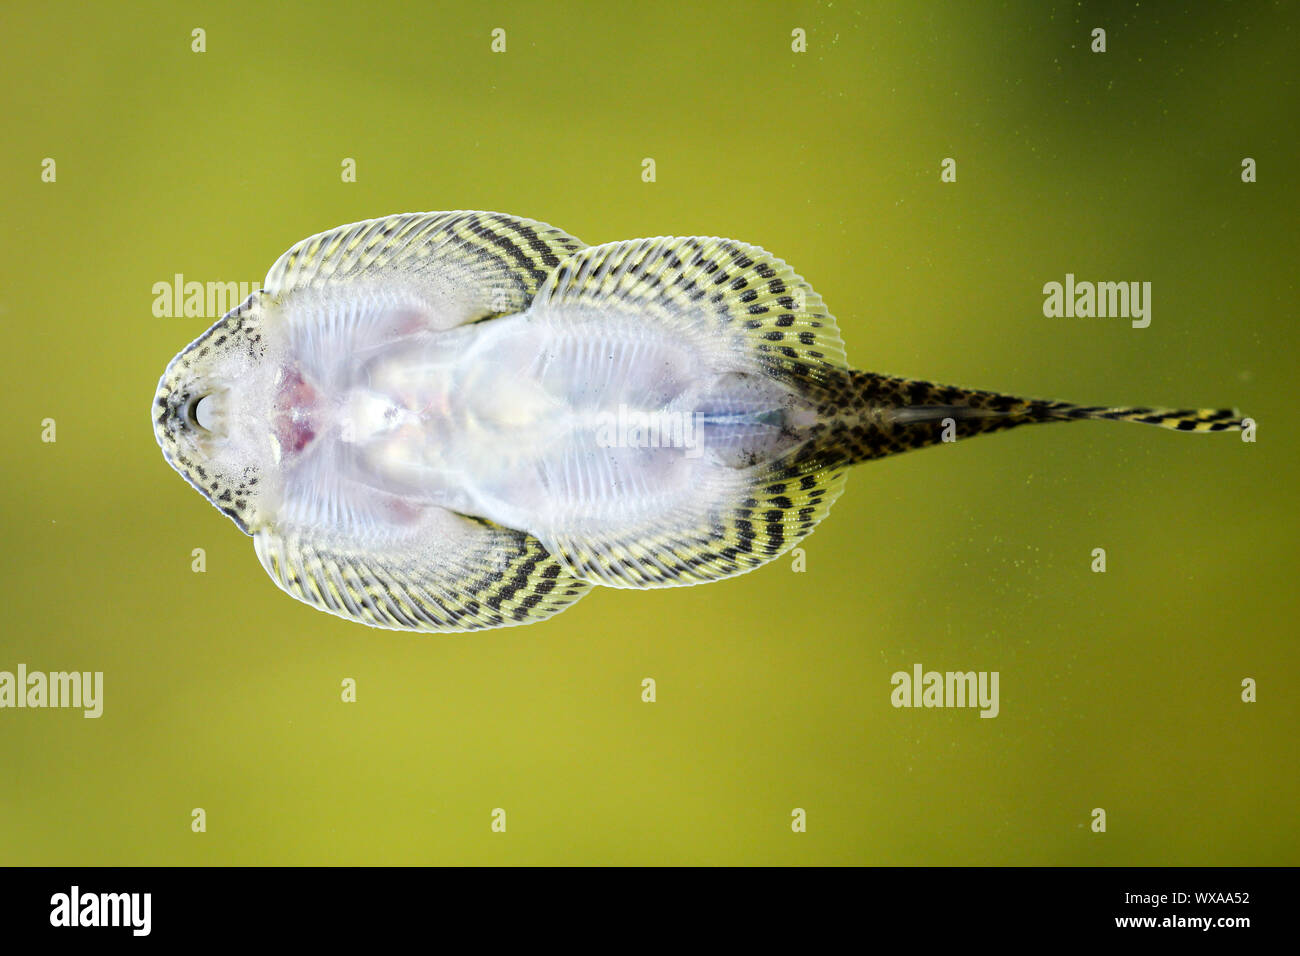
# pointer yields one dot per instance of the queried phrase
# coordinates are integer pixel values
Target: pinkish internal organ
(295, 411)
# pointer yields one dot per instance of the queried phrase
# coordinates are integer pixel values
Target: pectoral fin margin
(478, 576)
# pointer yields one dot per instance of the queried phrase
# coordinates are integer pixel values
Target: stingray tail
(863, 415)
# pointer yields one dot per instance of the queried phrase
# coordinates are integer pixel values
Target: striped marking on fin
(733, 301)
(744, 311)
(776, 507)
(482, 576)
(466, 265)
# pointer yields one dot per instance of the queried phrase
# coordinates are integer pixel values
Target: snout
(184, 410)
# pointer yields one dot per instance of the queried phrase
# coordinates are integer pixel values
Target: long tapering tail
(863, 415)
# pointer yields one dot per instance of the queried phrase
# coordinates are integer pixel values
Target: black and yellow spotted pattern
(735, 300)
(781, 505)
(735, 303)
(732, 298)
(486, 577)
(862, 415)
(489, 262)
(751, 310)
(233, 495)
(469, 266)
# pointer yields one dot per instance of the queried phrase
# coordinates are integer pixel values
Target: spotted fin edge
(504, 578)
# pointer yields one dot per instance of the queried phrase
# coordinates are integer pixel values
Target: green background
(1118, 690)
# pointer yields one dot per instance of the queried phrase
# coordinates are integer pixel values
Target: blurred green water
(1118, 690)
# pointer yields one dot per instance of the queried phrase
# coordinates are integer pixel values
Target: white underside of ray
(539, 423)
